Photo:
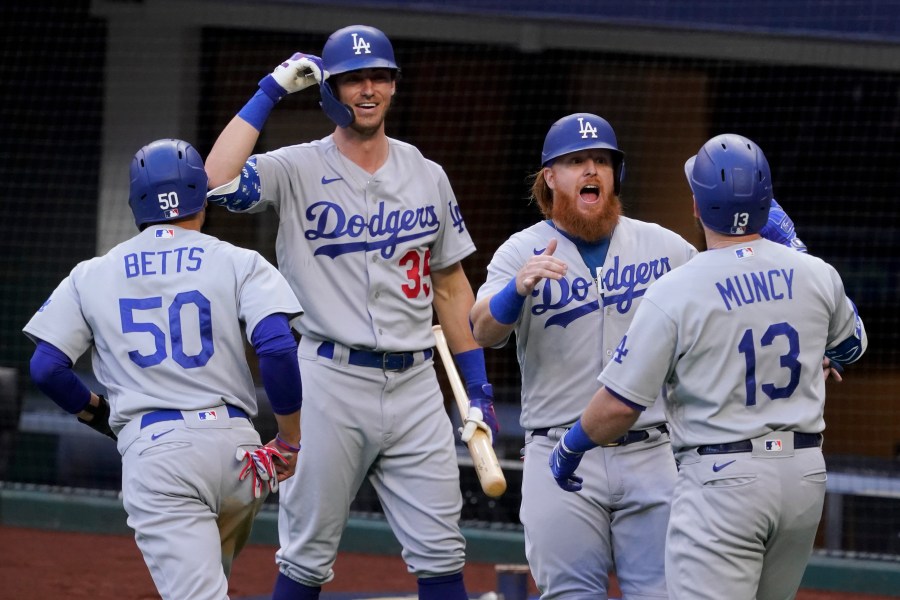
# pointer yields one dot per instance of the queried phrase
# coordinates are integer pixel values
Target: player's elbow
(486, 330)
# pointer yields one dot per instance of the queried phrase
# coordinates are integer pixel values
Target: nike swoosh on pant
(156, 436)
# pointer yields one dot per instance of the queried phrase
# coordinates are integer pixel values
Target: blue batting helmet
(168, 182)
(583, 131)
(731, 180)
(357, 47)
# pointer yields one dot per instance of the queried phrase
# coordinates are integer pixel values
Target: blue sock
(288, 589)
(444, 587)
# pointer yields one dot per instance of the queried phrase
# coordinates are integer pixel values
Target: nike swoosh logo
(326, 181)
(156, 436)
(536, 251)
(717, 467)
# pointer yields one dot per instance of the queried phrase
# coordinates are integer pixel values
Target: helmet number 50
(167, 200)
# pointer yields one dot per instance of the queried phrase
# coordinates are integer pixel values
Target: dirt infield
(54, 564)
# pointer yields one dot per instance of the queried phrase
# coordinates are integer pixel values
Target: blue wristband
(472, 369)
(577, 440)
(506, 304)
(257, 110)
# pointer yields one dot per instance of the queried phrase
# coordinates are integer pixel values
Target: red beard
(588, 226)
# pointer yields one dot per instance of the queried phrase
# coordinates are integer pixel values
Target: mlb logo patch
(744, 252)
(165, 233)
(773, 446)
(210, 415)
(171, 213)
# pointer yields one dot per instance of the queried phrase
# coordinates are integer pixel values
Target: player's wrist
(576, 440)
(473, 371)
(285, 445)
(257, 109)
(506, 304)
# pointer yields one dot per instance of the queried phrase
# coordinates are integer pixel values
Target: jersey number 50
(788, 361)
(127, 309)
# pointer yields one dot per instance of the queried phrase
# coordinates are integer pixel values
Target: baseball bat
(487, 467)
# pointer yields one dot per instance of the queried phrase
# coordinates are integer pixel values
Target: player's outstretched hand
(481, 414)
(563, 463)
(296, 73)
(541, 266)
(259, 465)
(832, 368)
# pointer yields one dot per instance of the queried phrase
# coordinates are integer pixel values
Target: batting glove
(260, 467)
(481, 413)
(99, 418)
(563, 463)
(296, 73)
(780, 228)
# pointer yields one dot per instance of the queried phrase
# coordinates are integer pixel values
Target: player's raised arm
(235, 144)
(493, 318)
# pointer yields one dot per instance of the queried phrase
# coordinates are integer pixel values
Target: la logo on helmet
(360, 45)
(586, 129)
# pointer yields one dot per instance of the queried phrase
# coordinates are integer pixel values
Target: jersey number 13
(788, 361)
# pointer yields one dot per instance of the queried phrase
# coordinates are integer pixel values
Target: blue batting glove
(563, 463)
(481, 413)
(780, 228)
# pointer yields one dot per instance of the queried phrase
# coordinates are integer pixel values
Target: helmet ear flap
(619, 172)
(334, 109)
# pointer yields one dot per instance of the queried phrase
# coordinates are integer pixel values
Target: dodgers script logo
(620, 289)
(385, 230)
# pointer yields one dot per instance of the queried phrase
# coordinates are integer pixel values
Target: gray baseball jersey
(738, 335)
(358, 249)
(163, 312)
(581, 315)
(568, 330)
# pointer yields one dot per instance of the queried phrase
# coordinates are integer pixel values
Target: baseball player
(370, 238)
(737, 336)
(568, 286)
(163, 313)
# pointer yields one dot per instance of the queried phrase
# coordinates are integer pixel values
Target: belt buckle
(386, 357)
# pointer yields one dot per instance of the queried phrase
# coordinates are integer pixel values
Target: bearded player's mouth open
(590, 194)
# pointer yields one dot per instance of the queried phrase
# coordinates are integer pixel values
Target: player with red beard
(568, 286)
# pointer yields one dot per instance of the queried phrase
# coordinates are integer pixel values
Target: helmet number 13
(787, 361)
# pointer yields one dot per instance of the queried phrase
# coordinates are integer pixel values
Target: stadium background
(816, 84)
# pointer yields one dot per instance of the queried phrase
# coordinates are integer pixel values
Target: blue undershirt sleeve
(51, 372)
(278, 365)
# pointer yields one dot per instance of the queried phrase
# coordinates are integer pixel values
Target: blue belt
(801, 440)
(637, 435)
(158, 416)
(389, 361)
